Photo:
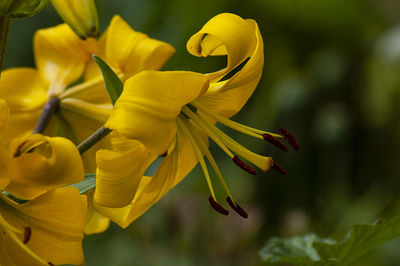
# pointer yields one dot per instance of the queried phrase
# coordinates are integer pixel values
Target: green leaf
(113, 84)
(312, 250)
(87, 184)
(296, 250)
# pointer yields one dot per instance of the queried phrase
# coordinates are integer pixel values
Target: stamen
(290, 138)
(51, 264)
(27, 234)
(18, 150)
(226, 143)
(198, 154)
(274, 141)
(217, 207)
(234, 125)
(243, 165)
(210, 158)
(278, 168)
(237, 208)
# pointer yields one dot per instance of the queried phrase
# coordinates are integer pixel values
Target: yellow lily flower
(49, 229)
(61, 59)
(176, 112)
(45, 231)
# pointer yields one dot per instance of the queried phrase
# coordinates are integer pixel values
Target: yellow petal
(130, 51)
(95, 222)
(118, 174)
(25, 97)
(172, 170)
(149, 104)
(56, 220)
(5, 168)
(79, 119)
(4, 117)
(239, 39)
(22, 89)
(43, 163)
(61, 56)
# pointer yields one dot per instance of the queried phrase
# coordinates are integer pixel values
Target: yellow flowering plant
(77, 135)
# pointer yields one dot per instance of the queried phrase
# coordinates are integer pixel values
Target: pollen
(217, 206)
(237, 208)
(243, 165)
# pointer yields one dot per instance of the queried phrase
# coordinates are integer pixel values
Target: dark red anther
(274, 141)
(51, 264)
(237, 208)
(243, 165)
(17, 152)
(290, 138)
(278, 168)
(217, 207)
(27, 234)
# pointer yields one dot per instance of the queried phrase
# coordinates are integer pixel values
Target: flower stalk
(4, 29)
(93, 139)
(52, 104)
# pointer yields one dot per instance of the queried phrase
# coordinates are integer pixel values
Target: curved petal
(79, 119)
(149, 104)
(240, 40)
(130, 51)
(56, 220)
(4, 117)
(95, 222)
(173, 169)
(61, 56)
(22, 89)
(42, 163)
(118, 174)
(25, 95)
(5, 168)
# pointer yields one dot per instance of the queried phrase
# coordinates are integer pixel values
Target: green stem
(52, 104)
(4, 29)
(93, 139)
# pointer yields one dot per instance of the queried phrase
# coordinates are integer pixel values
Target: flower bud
(21, 8)
(80, 15)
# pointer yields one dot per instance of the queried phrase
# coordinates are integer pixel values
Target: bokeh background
(331, 75)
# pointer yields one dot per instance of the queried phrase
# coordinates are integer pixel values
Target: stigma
(194, 116)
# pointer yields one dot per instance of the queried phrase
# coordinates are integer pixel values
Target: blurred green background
(331, 75)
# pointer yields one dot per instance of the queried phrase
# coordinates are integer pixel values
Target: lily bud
(21, 8)
(80, 15)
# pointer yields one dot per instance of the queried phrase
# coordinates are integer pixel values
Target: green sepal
(87, 184)
(113, 84)
(312, 250)
(21, 8)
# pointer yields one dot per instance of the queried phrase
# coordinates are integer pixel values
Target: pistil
(51, 106)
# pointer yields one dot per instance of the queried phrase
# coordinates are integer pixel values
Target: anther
(237, 208)
(278, 168)
(243, 165)
(290, 138)
(51, 264)
(274, 141)
(27, 234)
(217, 207)
(17, 152)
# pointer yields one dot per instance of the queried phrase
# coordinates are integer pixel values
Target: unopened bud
(80, 15)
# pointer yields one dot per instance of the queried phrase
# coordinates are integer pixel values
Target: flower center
(194, 114)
